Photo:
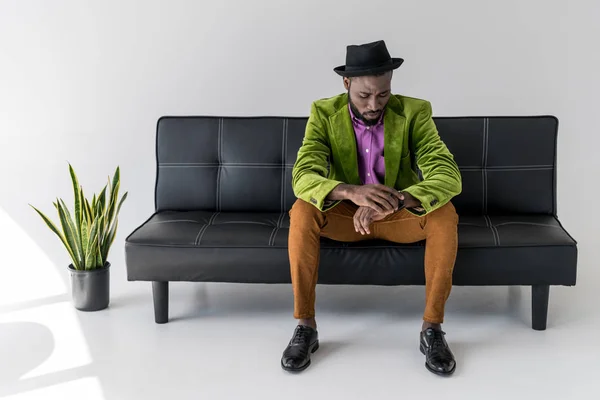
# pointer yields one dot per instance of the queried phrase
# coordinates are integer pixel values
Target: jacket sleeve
(441, 176)
(309, 174)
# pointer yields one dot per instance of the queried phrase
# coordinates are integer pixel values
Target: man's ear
(346, 83)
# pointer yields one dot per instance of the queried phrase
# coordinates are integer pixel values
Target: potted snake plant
(87, 234)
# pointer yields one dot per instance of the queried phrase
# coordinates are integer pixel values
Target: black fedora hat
(368, 59)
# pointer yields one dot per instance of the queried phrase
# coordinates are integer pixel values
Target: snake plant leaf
(109, 240)
(110, 212)
(114, 194)
(78, 206)
(85, 233)
(91, 254)
(121, 202)
(54, 229)
(88, 211)
(69, 230)
(100, 203)
(99, 261)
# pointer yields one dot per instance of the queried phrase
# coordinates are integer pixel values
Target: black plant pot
(90, 290)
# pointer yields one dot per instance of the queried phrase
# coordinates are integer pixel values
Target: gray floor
(224, 341)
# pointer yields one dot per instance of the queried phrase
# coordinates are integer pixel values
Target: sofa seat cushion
(252, 247)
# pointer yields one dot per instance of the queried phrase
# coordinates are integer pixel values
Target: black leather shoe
(438, 357)
(296, 356)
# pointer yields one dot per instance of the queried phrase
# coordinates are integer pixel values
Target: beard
(368, 122)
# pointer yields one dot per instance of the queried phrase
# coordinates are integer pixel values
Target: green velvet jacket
(327, 156)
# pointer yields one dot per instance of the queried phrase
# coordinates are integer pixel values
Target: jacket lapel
(345, 140)
(394, 124)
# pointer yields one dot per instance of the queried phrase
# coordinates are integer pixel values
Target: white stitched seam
(285, 140)
(493, 229)
(483, 146)
(469, 224)
(527, 223)
(233, 164)
(244, 222)
(282, 169)
(483, 210)
(274, 166)
(483, 175)
(221, 164)
(487, 145)
(205, 228)
(497, 234)
(518, 169)
(175, 220)
(274, 233)
(511, 168)
(200, 232)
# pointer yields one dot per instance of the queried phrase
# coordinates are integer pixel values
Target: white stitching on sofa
(200, 232)
(493, 229)
(274, 233)
(283, 160)
(220, 145)
(174, 220)
(486, 138)
(496, 233)
(470, 224)
(525, 167)
(205, 228)
(230, 164)
(283, 163)
(244, 222)
(526, 223)
(513, 169)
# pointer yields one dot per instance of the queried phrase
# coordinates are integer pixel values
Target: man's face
(369, 95)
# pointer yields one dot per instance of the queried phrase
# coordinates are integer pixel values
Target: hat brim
(341, 70)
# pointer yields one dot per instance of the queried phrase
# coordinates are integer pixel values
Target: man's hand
(380, 198)
(365, 216)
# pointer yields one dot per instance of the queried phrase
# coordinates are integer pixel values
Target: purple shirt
(369, 146)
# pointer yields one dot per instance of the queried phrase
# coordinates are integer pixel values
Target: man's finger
(367, 224)
(393, 192)
(383, 200)
(375, 205)
(356, 220)
(364, 219)
(362, 226)
(386, 202)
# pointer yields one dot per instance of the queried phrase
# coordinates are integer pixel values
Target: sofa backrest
(508, 164)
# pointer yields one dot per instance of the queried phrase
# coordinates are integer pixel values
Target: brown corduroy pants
(308, 224)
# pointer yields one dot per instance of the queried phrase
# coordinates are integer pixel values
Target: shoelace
(301, 336)
(438, 340)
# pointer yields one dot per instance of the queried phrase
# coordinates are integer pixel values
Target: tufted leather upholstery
(223, 193)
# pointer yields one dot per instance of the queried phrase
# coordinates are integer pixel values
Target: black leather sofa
(223, 191)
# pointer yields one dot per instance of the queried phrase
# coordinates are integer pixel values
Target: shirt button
(368, 128)
(367, 150)
(368, 174)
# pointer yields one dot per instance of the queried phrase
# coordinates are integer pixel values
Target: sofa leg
(160, 293)
(539, 306)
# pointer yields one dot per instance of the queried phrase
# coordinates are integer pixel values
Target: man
(372, 190)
